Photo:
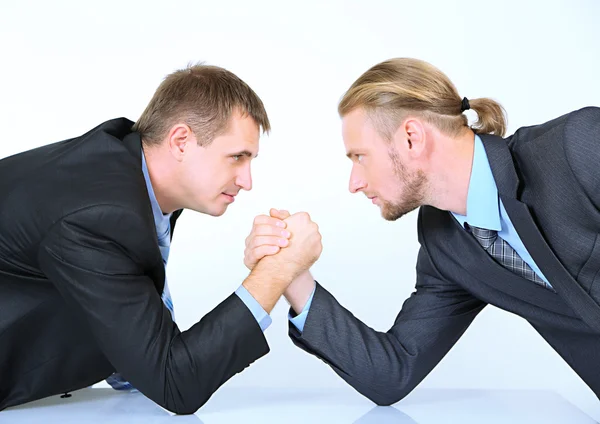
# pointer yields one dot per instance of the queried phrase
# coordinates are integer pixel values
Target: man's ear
(180, 136)
(410, 138)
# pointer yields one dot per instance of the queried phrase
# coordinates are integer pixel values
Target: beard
(414, 187)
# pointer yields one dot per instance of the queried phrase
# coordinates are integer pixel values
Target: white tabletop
(289, 406)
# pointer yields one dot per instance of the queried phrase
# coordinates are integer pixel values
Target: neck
(162, 178)
(451, 172)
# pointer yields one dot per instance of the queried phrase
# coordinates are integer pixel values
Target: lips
(229, 197)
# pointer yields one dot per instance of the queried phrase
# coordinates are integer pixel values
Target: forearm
(385, 366)
(299, 291)
(372, 362)
(201, 359)
(127, 318)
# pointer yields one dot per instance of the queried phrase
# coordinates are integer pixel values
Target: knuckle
(259, 219)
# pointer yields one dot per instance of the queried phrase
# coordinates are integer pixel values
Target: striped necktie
(504, 254)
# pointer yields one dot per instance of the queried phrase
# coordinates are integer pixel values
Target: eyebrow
(244, 153)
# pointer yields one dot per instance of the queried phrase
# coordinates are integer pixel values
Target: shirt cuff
(261, 316)
(300, 319)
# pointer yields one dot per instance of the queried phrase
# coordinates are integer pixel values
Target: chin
(390, 217)
(393, 214)
(217, 210)
(214, 212)
(211, 210)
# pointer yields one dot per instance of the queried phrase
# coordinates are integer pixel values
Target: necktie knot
(485, 237)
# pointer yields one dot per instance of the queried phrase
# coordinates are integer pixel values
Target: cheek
(388, 183)
(222, 177)
(376, 176)
(199, 180)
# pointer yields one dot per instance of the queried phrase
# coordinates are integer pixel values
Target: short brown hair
(391, 90)
(203, 97)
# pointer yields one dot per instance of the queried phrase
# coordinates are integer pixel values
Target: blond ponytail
(491, 117)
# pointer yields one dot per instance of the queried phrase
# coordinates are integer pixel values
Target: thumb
(279, 214)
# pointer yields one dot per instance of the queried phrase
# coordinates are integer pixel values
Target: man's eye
(237, 157)
(359, 158)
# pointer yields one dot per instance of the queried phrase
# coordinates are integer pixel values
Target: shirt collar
(159, 217)
(483, 208)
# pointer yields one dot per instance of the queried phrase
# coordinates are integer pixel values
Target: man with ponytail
(513, 222)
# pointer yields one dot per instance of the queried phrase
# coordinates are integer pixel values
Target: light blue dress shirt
(484, 210)
(261, 316)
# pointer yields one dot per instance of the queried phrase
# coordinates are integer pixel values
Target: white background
(67, 66)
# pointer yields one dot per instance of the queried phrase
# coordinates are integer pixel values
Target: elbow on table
(185, 405)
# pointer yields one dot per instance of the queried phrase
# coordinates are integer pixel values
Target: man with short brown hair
(85, 233)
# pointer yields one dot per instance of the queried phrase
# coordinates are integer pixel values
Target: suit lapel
(479, 264)
(174, 217)
(507, 181)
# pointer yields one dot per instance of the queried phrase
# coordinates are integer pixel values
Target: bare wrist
(299, 291)
(266, 283)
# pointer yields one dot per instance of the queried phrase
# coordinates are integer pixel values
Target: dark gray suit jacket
(81, 276)
(548, 178)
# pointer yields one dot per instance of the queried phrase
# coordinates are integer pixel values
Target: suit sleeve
(582, 148)
(91, 259)
(386, 366)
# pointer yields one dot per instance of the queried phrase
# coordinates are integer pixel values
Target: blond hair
(392, 90)
(203, 97)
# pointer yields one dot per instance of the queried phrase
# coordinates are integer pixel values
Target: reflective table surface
(289, 406)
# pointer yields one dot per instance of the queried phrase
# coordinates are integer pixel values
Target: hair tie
(464, 105)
